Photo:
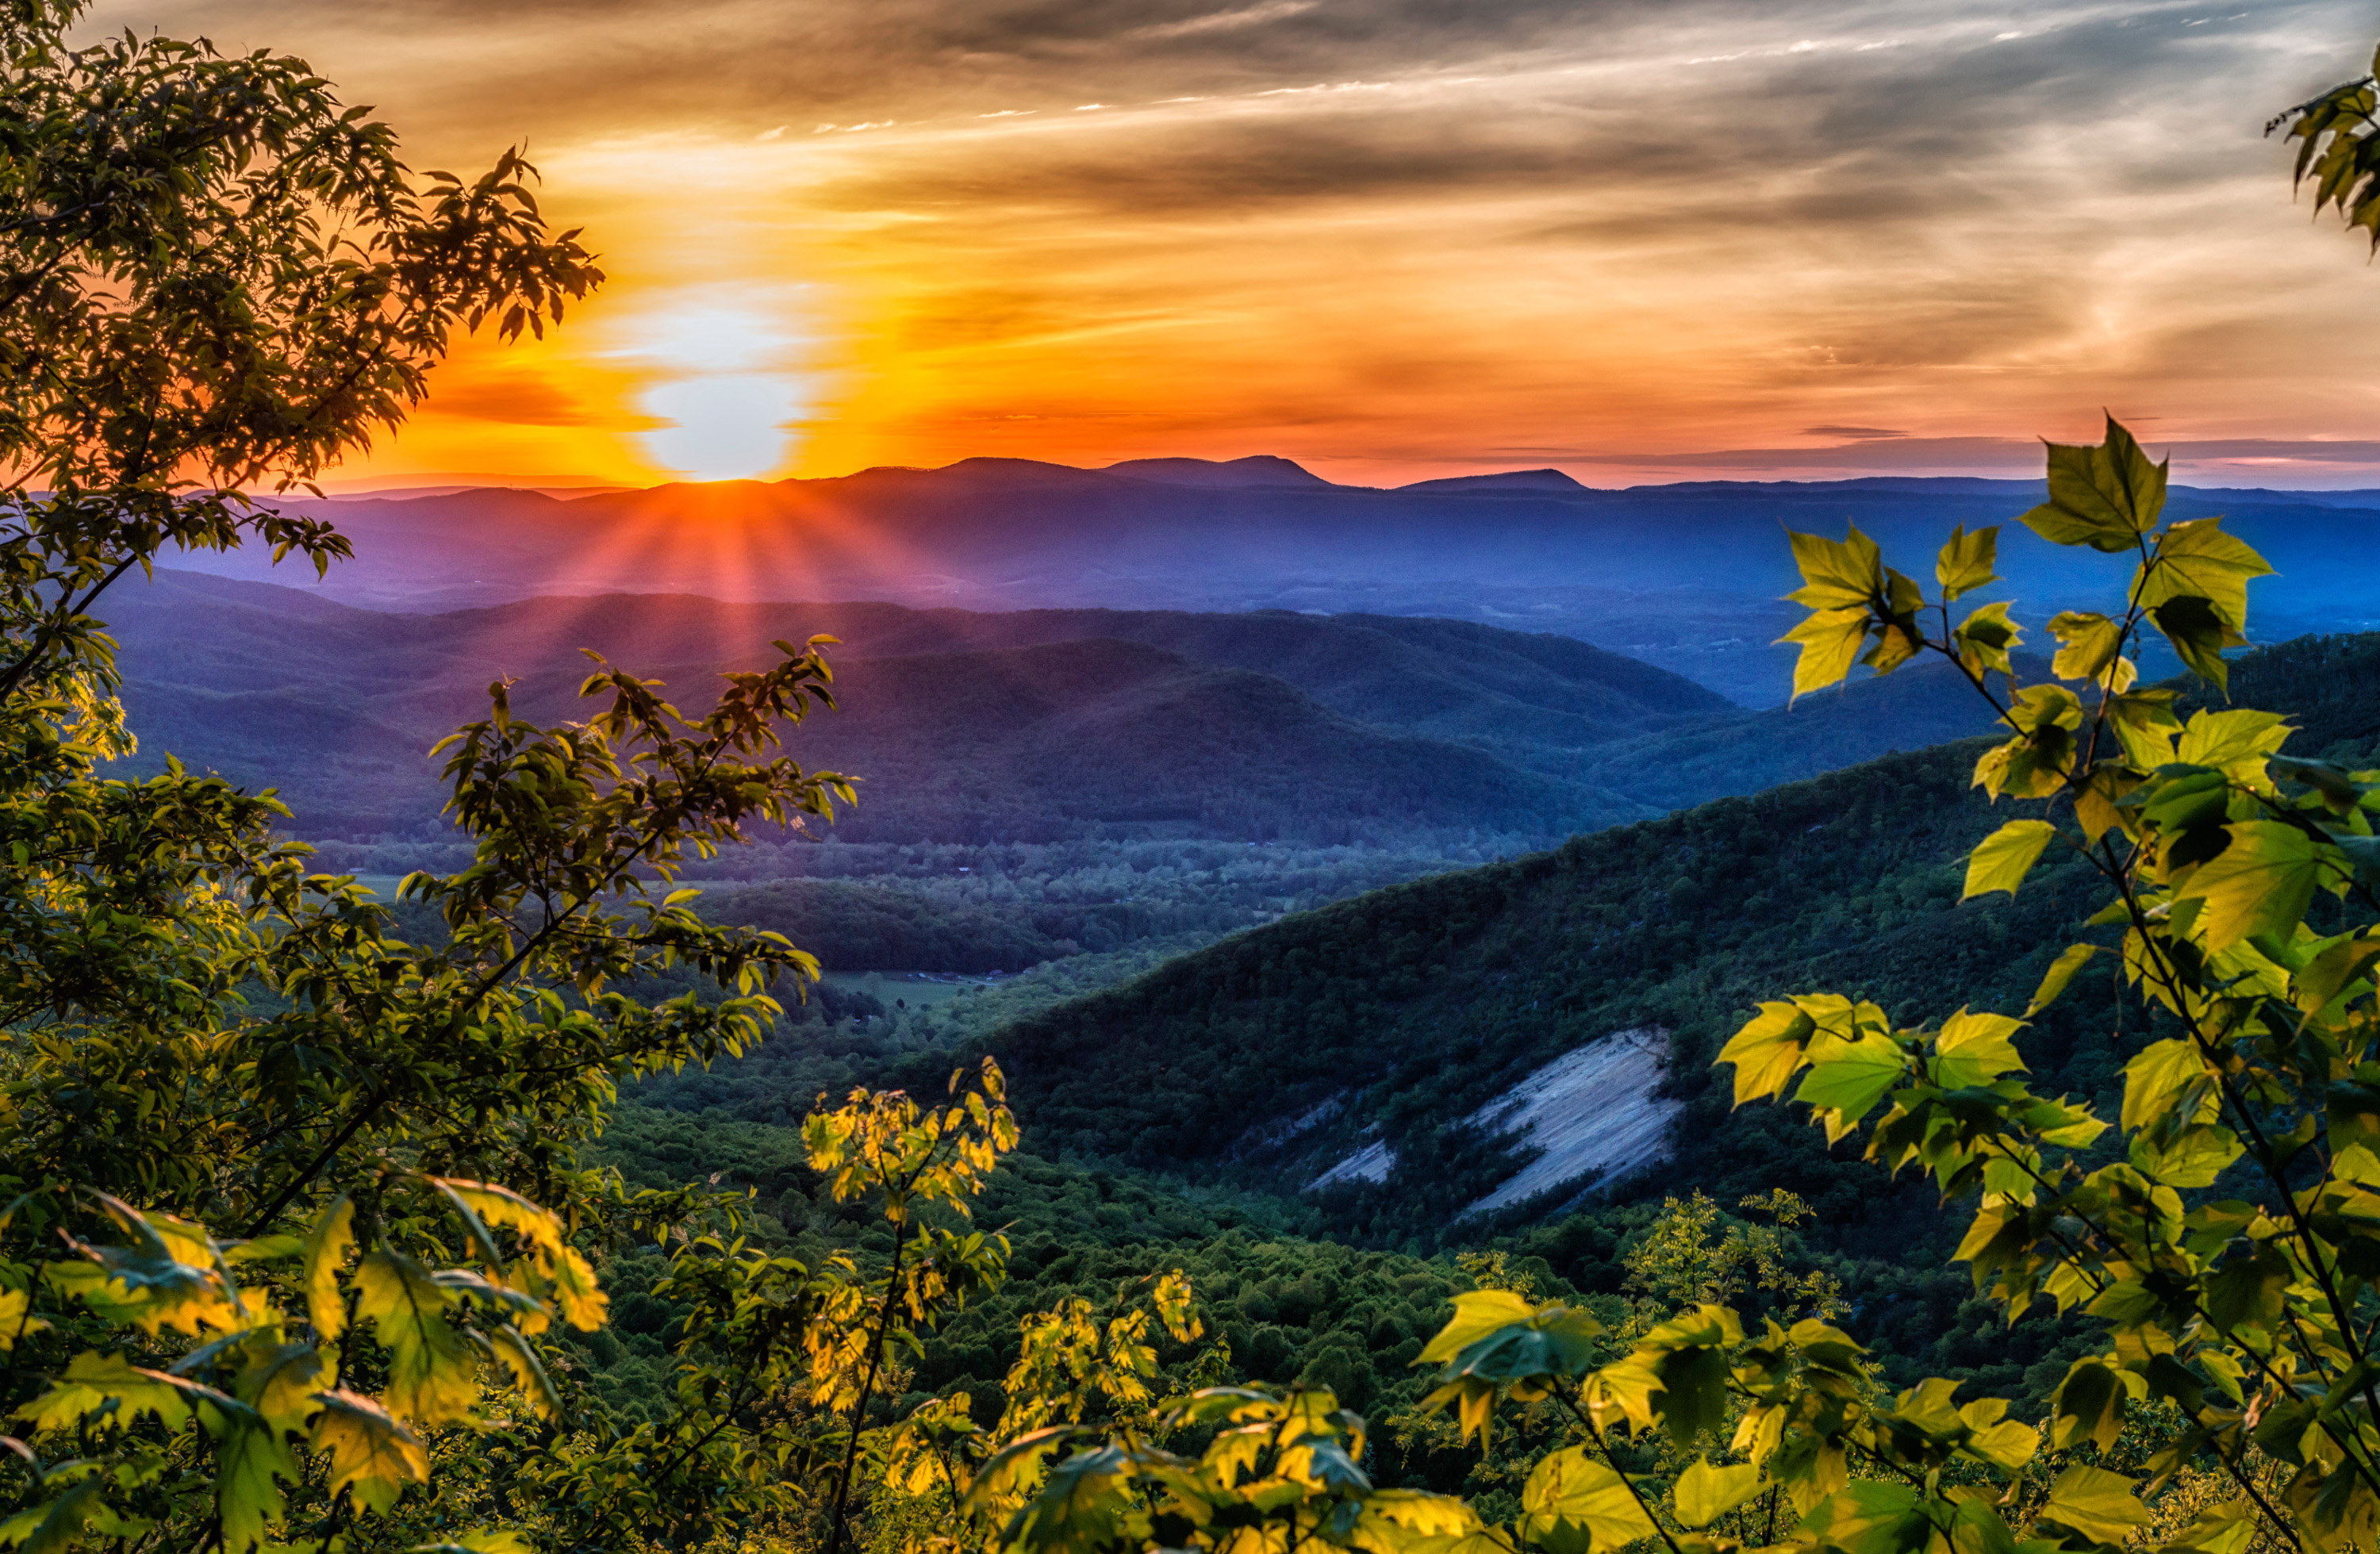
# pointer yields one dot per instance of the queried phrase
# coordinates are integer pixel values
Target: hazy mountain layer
(1685, 574)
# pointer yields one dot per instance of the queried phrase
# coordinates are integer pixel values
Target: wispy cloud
(1392, 233)
(1224, 22)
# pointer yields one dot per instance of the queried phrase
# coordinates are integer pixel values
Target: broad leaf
(2105, 497)
(433, 1373)
(2157, 1077)
(1967, 561)
(327, 1245)
(2197, 559)
(2097, 1503)
(2262, 883)
(373, 1456)
(1707, 1493)
(2062, 972)
(2000, 860)
(1767, 1049)
(2090, 643)
(1570, 1485)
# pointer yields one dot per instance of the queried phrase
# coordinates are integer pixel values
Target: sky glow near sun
(1389, 239)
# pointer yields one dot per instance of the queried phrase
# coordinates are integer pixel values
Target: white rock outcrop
(1591, 1110)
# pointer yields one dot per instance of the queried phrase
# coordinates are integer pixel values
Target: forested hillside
(1146, 1106)
(1395, 1014)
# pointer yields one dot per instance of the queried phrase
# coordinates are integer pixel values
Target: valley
(1390, 934)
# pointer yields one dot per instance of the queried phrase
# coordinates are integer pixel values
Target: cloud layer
(1395, 238)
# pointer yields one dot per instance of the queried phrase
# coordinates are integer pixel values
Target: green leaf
(251, 1455)
(1847, 1078)
(2337, 967)
(2087, 1406)
(1570, 1485)
(528, 1371)
(1967, 561)
(1694, 1393)
(1707, 1493)
(57, 1526)
(2199, 637)
(2105, 497)
(1870, 1516)
(1478, 1313)
(2098, 1504)
(1986, 638)
(2228, 1528)
(487, 1540)
(2145, 724)
(2249, 1292)
(1553, 1340)
(14, 1323)
(95, 1383)
(2000, 860)
(2262, 883)
(2062, 971)
(1083, 1503)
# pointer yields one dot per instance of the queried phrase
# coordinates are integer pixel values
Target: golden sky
(1391, 239)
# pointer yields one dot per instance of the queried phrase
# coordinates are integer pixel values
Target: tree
(246, 1126)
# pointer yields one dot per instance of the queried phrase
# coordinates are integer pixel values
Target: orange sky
(1389, 239)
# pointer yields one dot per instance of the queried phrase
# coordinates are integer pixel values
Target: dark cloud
(1861, 433)
(513, 399)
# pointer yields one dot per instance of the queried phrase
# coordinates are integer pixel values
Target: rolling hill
(966, 727)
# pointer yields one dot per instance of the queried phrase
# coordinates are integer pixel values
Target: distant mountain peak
(1257, 469)
(1510, 479)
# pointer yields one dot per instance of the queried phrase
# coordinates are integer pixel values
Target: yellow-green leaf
(2097, 1503)
(2262, 883)
(1767, 1049)
(1478, 1313)
(1707, 1493)
(1570, 1485)
(1976, 1049)
(1847, 1078)
(58, 1525)
(13, 1322)
(1967, 561)
(2155, 1078)
(327, 1245)
(2236, 741)
(433, 1373)
(2000, 860)
(1837, 574)
(2089, 644)
(2105, 497)
(373, 1456)
(2198, 560)
(2062, 971)
(1830, 644)
(94, 1381)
